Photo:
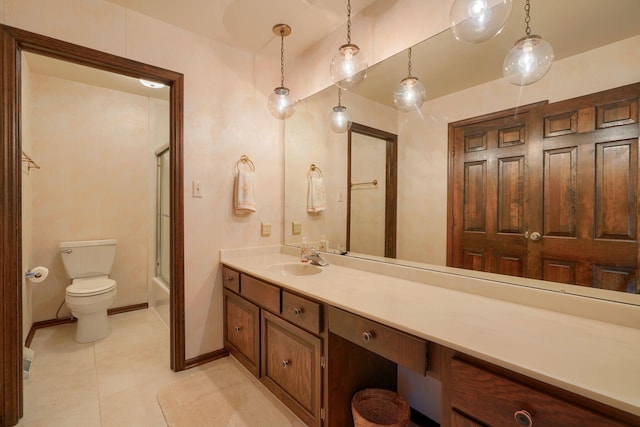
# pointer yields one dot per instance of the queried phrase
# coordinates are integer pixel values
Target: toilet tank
(88, 258)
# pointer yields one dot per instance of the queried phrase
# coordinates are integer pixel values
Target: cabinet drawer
(301, 312)
(242, 330)
(261, 293)
(493, 399)
(231, 279)
(404, 349)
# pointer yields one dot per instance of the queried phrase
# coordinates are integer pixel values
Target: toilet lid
(89, 287)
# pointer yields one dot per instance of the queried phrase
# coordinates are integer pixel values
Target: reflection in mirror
(595, 43)
(371, 226)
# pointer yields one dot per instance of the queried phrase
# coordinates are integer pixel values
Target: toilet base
(92, 327)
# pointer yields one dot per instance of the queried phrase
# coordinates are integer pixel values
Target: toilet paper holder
(35, 274)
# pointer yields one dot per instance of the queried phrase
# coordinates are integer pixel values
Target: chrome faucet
(315, 258)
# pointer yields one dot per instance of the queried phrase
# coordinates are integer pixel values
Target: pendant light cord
(348, 21)
(281, 57)
(527, 18)
(339, 97)
(409, 75)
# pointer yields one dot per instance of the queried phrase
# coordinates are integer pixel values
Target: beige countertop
(593, 358)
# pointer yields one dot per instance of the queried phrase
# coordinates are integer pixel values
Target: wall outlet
(296, 228)
(196, 189)
(265, 229)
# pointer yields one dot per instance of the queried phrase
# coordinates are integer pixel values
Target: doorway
(13, 43)
(372, 195)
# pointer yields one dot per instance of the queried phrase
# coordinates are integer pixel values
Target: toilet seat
(90, 286)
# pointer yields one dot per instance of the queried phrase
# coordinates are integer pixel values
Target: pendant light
(409, 94)
(348, 66)
(529, 59)
(476, 21)
(339, 118)
(281, 105)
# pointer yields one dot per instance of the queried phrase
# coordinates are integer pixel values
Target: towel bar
(374, 182)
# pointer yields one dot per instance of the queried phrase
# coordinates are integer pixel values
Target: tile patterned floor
(112, 382)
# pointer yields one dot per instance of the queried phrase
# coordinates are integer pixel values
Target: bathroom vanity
(314, 336)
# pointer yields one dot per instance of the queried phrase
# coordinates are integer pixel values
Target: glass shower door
(163, 219)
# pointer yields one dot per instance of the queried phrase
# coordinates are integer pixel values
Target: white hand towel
(316, 195)
(245, 192)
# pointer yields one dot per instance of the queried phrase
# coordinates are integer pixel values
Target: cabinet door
(242, 331)
(291, 366)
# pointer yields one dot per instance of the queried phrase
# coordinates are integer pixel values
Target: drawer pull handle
(297, 311)
(523, 418)
(229, 279)
(237, 328)
(367, 336)
(285, 363)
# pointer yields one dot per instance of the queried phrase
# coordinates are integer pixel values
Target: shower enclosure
(160, 283)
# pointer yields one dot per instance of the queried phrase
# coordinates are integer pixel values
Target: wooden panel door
(489, 204)
(584, 191)
(550, 192)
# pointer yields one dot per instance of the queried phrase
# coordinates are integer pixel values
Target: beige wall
(308, 139)
(96, 182)
(368, 202)
(225, 116)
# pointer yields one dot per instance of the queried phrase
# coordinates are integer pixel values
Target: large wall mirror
(596, 49)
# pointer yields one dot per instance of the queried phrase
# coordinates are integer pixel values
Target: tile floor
(112, 382)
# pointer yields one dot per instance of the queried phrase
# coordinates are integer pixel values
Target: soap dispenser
(304, 250)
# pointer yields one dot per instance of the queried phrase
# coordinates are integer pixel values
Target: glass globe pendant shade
(281, 105)
(527, 61)
(348, 67)
(476, 21)
(409, 94)
(339, 119)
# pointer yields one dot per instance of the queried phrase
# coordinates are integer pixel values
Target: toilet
(88, 264)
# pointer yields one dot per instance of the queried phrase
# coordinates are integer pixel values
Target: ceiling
(445, 65)
(441, 63)
(247, 24)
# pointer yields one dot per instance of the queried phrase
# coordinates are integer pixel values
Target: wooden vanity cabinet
(479, 396)
(278, 336)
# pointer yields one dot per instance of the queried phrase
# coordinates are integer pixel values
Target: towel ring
(247, 161)
(313, 168)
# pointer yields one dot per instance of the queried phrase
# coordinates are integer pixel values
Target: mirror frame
(12, 42)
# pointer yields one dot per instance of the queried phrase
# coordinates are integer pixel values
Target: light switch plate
(265, 229)
(196, 189)
(296, 228)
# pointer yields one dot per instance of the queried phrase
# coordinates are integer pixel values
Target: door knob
(535, 236)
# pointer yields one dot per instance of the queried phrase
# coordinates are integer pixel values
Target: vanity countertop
(592, 358)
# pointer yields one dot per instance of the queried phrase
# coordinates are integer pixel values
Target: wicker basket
(375, 407)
